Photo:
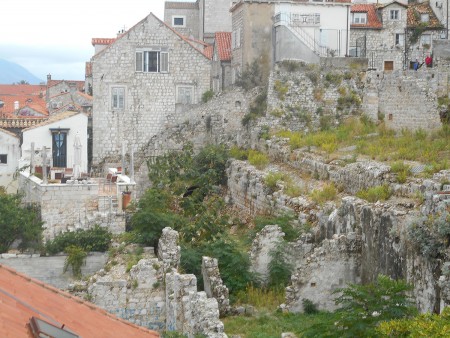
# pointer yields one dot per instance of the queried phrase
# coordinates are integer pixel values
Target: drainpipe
(348, 32)
(446, 31)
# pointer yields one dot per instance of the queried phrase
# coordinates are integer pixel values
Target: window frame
(424, 17)
(179, 96)
(118, 106)
(399, 39)
(428, 42)
(358, 16)
(142, 60)
(395, 17)
(175, 17)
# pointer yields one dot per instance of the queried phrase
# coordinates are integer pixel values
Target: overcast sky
(54, 36)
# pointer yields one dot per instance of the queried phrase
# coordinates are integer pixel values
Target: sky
(54, 36)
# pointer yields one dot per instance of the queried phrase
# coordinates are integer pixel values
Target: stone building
(200, 19)
(9, 159)
(147, 74)
(393, 35)
(284, 30)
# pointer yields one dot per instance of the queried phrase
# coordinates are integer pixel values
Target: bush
(18, 222)
(272, 178)
(208, 95)
(309, 307)
(285, 222)
(327, 193)
(94, 239)
(431, 235)
(258, 159)
(75, 259)
(280, 269)
(281, 90)
(251, 77)
(402, 170)
(238, 153)
(374, 194)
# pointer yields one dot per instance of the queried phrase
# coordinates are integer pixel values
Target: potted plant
(126, 198)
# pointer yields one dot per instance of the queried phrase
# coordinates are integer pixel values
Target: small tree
(18, 222)
(75, 259)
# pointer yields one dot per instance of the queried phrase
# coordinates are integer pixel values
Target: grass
(258, 159)
(380, 143)
(327, 193)
(374, 194)
(271, 325)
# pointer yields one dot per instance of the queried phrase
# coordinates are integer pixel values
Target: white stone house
(142, 82)
(9, 159)
(393, 35)
(58, 135)
(280, 30)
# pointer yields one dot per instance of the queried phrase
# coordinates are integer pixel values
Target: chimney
(49, 77)
(16, 105)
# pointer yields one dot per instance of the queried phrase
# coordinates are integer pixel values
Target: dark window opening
(3, 159)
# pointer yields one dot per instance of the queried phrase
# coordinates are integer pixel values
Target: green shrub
(431, 235)
(251, 77)
(280, 269)
(258, 159)
(374, 194)
(208, 95)
(238, 153)
(281, 90)
(94, 239)
(334, 78)
(18, 222)
(272, 178)
(76, 257)
(264, 133)
(285, 222)
(402, 170)
(327, 193)
(309, 307)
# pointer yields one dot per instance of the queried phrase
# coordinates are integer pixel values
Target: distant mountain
(11, 72)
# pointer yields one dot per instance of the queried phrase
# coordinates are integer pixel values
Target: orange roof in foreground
(22, 297)
(223, 41)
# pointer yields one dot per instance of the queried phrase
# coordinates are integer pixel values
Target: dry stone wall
(213, 284)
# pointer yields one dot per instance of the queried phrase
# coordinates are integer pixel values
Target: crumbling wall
(169, 252)
(265, 242)
(332, 265)
(213, 284)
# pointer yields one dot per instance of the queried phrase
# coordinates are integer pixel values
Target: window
(394, 14)
(185, 94)
(399, 39)
(152, 61)
(359, 18)
(117, 97)
(425, 39)
(3, 159)
(179, 21)
(424, 17)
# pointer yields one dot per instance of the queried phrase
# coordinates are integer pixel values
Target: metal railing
(296, 22)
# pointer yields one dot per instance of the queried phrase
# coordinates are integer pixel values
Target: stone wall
(213, 284)
(405, 99)
(50, 269)
(332, 265)
(67, 207)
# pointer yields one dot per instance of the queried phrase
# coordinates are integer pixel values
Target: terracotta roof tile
(102, 41)
(22, 297)
(414, 12)
(32, 101)
(22, 89)
(55, 118)
(208, 51)
(373, 20)
(223, 43)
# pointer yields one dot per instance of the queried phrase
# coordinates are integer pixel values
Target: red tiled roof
(373, 20)
(102, 41)
(32, 101)
(223, 43)
(414, 12)
(22, 297)
(208, 51)
(22, 89)
(79, 84)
